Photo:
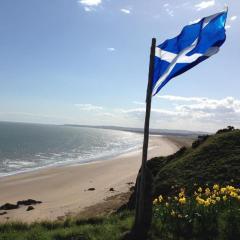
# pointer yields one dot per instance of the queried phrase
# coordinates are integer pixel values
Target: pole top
(154, 42)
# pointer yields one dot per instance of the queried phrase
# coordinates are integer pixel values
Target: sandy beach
(64, 190)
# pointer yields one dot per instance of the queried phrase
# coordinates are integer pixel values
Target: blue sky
(86, 62)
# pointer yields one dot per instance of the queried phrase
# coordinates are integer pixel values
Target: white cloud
(193, 113)
(168, 10)
(179, 98)
(90, 2)
(176, 112)
(126, 11)
(111, 49)
(228, 26)
(205, 4)
(88, 9)
(233, 18)
(213, 109)
(88, 107)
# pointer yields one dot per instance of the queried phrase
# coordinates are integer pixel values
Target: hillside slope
(212, 159)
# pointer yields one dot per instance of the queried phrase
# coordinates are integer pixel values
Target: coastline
(93, 157)
(105, 157)
(63, 190)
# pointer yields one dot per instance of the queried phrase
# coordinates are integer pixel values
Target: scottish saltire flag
(194, 44)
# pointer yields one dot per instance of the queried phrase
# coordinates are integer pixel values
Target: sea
(26, 147)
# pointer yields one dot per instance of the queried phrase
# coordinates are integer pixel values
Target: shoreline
(73, 163)
(64, 190)
(173, 137)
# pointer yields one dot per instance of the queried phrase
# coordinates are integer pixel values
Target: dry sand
(64, 190)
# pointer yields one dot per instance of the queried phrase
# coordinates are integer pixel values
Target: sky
(86, 62)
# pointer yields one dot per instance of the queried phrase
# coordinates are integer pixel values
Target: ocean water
(26, 147)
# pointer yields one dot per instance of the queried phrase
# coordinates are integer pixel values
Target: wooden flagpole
(143, 215)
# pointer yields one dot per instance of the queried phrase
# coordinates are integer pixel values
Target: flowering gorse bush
(209, 213)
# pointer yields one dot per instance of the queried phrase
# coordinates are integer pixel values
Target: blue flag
(194, 44)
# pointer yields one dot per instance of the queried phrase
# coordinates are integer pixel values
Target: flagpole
(143, 215)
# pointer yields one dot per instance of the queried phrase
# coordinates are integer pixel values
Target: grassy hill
(211, 159)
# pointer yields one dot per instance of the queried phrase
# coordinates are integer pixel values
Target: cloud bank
(178, 112)
(192, 113)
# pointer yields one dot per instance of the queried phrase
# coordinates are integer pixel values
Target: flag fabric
(194, 44)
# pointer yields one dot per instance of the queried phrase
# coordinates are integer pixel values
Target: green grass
(109, 228)
(216, 160)
(211, 214)
(213, 225)
(223, 225)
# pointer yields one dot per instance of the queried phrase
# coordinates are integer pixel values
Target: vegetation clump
(210, 213)
(201, 139)
(108, 227)
(224, 130)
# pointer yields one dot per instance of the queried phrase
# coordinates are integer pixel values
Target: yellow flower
(200, 200)
(182, 200)
(160, 198)
(167, 204)
(216, 187)
(218, 199)
(181, 194)
(224, 198)
(233, 194)
(199, 189)
(207, 202)
(207, 191)
(230, 188)
(223, 190)
(173, 213)
(176, 198)
(155, 201)
(213, 201)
